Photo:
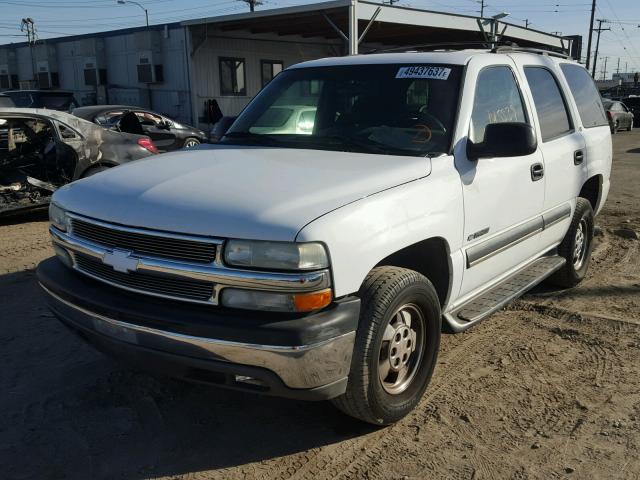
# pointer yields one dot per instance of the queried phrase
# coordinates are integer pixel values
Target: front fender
(361, 234)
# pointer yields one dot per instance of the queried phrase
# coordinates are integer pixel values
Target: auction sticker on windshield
(422, 71)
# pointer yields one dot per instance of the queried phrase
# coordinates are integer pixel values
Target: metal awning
(378, 25)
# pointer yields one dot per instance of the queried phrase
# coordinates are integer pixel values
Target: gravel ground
(547, 388)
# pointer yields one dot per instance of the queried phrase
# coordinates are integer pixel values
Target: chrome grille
(182, 288)
(168, 247)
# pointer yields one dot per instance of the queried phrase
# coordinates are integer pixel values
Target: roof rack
(540, 51)
(430, 47)
(501, 46)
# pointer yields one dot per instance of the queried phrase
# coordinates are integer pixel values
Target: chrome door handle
(578, 157)
(537, 172)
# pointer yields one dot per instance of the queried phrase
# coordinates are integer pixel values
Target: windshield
(389, 109)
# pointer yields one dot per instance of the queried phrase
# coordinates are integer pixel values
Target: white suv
(321, 261)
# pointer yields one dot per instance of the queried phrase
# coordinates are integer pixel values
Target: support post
(353, 28)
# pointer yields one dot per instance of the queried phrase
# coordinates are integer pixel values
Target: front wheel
(576, 247)
(396, 346)
(191, 142)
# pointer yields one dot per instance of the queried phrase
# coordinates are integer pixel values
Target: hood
(236, 192)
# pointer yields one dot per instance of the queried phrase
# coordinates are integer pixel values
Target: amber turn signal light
(307, 302)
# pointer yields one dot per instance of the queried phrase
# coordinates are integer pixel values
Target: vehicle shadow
(634, 150)
(70, 412)
(37, 215)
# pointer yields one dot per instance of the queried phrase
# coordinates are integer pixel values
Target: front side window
(149, 119)
(387, 109)
(270, 68)
(586, 95)
(497, 100)
(550, 105)
(232, 77)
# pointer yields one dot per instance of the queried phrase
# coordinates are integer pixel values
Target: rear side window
(552, 111)
(586, 95)
(497, 100)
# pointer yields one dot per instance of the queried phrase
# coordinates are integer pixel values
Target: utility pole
(526, 23)
(29, 27)
(604, 71)
(595, 55)
(593, 13)
(481, 2)
(252, 4)
(618, 68)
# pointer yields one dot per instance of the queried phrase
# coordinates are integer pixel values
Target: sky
(55, 18)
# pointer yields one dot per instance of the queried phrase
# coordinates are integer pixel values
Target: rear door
(591, 122)
(502, 199)
(561, 144)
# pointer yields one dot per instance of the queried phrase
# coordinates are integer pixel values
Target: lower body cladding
(298, 356)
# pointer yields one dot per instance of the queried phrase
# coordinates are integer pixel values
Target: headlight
(276, 255)
(58, 217)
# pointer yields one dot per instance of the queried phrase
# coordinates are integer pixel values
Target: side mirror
(513, 139)
(220, 128)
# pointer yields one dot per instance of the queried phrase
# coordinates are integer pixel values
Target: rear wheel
(396, 346)
(576, 247)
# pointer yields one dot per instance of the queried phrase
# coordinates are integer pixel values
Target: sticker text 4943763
(424, 71)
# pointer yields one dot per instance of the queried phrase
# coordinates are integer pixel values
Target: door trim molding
(505, 240)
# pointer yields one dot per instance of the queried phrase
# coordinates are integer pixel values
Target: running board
(512, 287)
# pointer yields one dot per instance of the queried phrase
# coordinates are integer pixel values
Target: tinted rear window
(586, 95)
(552, 112)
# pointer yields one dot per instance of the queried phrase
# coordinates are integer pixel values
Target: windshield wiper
(369, 146)
(254, 138)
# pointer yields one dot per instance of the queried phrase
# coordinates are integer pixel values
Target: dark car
(6, 101)
(619, 115)
(42, 150)
(49, 99)
(633, 104)
(166, 133)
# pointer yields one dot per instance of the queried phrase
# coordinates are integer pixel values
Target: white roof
(452, 58)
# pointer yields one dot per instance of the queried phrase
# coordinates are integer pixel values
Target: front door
(157, 129)
(503, 197)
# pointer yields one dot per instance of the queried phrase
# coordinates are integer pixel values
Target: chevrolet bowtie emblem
(120, 261)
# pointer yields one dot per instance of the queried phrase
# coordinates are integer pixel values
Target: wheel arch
(428, 257)
(592, 191)
(101, 163)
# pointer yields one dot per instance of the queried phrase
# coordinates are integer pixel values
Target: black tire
(191, 142)
(93, 170)
(571, 274)
(384, 291)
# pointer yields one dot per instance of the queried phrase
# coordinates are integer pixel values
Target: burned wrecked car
(41, 150)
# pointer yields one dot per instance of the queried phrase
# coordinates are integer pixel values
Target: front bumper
(299, 356)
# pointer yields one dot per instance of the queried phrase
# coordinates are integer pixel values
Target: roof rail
(540, 51)
(430, 47)
(493, 47)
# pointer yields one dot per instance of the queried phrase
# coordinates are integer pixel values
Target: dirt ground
(549, 388)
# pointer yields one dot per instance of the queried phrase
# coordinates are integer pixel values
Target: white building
(180, 69)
